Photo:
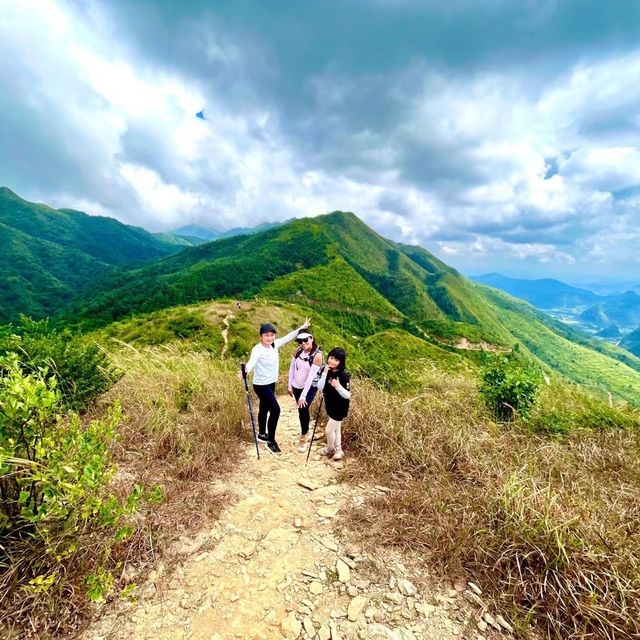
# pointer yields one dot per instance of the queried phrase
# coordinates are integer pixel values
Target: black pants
(268, 406)
(303, 413)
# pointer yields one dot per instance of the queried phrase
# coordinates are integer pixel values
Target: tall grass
(183, 417)
(548, 527)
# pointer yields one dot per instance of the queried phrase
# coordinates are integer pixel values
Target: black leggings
(303, 412)
(268, 405)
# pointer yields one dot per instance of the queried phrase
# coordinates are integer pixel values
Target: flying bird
(200, 115)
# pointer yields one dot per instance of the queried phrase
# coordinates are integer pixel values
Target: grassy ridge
(582, 364)
(547, 527)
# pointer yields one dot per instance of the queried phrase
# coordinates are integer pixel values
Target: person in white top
(265, 364)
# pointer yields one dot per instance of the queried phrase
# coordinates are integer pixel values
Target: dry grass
(549, 528)
(182, 420)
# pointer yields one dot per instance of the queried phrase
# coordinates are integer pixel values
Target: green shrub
(57, 521)
(509, 386)
(82, 369)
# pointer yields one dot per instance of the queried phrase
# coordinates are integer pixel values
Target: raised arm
(279, 342)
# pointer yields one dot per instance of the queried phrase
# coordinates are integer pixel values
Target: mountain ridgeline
(337, 266)
(52, 256)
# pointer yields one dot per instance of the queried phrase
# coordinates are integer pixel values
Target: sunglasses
(303, 340)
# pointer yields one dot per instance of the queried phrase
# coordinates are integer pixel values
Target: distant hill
(544, 293)
(206, 235)
(623, 310)
(631, 342)
(611, 331)
(50, 256)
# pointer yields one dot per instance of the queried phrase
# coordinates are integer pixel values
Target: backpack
(312, 355)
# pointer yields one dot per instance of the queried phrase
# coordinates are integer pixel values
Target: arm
(253, 359)
(279, 342)
(323, 379)
(313, 372)
(291, 370)
(343, 391)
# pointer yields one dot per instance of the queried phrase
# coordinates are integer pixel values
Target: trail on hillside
(280, 564)
(225, 334)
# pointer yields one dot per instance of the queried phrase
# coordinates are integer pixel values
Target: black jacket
(337, 406)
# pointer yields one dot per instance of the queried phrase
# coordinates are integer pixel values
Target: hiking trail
(225, 334)
(280, 563)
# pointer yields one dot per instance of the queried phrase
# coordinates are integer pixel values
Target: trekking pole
(314, 428)
(253, 424)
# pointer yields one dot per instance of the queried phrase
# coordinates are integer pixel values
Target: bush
(509, 386)
(82, 369)
(57, 521)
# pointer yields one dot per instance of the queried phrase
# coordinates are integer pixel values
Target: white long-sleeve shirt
(266, 360)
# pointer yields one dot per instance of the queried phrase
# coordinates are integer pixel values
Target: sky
(502, 135)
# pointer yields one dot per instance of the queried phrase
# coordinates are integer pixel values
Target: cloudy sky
(501, 135)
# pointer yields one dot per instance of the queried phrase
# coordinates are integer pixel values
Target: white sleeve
(345, 393)
(279, 342)
(253, 359)
(323, 379)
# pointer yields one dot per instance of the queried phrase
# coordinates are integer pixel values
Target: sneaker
(338, 455)
(263, 437)
(326, 452)
(273, 448)
(303, 445)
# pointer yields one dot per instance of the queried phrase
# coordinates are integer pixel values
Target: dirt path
(278, 564)
(225, 334)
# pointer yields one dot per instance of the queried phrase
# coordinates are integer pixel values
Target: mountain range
(204, 234)
(598, 314)
(100, 271)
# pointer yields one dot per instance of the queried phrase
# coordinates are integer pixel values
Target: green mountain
(415, 286)
(596, 364)
(51, 256)
(336, 266)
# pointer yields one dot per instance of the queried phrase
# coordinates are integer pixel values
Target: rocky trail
(280, 564)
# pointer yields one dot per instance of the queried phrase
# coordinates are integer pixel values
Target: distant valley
(611, 317)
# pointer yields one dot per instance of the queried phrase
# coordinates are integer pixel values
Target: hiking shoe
(326, 452)
(338, 455)
(263, 437)
(273, 448)
(303, 445)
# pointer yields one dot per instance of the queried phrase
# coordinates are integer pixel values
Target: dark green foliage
(51, 256)
(509, 386)
(81, 368)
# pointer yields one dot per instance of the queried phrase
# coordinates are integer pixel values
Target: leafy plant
(81, 368)
(53, 476)
(509, 386)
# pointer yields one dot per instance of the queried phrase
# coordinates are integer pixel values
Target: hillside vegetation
(51, 256)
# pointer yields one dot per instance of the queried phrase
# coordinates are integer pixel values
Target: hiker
(336, 387)
(304, 373)
(266, 360)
